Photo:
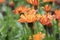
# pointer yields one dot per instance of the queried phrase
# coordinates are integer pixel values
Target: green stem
(47, 35)
(57, 27)
(23, 24)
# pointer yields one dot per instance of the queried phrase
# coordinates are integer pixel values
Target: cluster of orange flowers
(39, 36)
(29, 15)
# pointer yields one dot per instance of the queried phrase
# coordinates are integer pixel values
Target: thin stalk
(57, 27)
(26, 25)
(53, 30)
(23, 24)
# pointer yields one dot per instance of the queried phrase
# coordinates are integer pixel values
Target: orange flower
(48, 0)
(33, 2)
(2, 1)
(39, 36)
(47, 8)
(57, 14)
(20, 10)
(27, 18)
(46, 20)
(23, 9)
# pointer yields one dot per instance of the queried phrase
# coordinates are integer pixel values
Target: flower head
(47, 8)
(46, 20)
(33, 2)
(27, 18)
(39, 36)
(57, 14)
(21, 9)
